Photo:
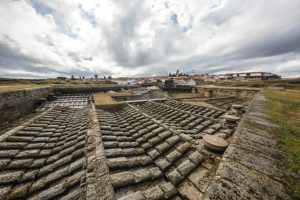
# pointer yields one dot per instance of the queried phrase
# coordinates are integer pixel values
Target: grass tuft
(284, 109)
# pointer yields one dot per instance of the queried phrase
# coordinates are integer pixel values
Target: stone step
(161, 191)
(184, 168)
(119, 152)
(127, 178)
(123, 162)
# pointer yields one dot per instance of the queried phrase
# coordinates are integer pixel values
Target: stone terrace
(226, 102)
(45, 159)
(152, 152)
(145, 159)
(71, 101)
(140, 150)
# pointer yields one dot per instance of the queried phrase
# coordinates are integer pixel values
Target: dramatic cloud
(148, 37)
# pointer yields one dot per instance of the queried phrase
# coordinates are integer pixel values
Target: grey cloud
(187, 48)
(276, 43)
(11, 59)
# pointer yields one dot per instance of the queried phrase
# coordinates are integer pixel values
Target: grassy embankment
(284, 83)
(7, 85)
(284, 108)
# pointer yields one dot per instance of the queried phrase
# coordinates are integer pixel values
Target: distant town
(180, 78)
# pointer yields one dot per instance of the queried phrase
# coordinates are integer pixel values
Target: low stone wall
(146, 96)
(88, 89)
(18, 103)
(227, 91)
(250, 167)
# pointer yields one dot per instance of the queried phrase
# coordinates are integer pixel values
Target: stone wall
(88, 89)
(227, 91)
(149, 95)
(251, 166)
(18, 103)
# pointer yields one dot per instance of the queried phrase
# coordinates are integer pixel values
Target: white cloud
(50, 38)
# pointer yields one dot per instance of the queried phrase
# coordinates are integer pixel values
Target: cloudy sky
(148, 37)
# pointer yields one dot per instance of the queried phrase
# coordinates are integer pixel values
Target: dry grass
(13, 87)
(284, 83)
(284, 109)
(104, 99)
(7, 85)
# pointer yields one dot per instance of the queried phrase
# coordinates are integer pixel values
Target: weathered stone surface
(201, 178)
(173, 156)
(135, 196)
(162, 163)
(196, 157)
(222, 189)
(154, 193)
(186, 167)
(168, 189)
(156, 172)
(19, 191)
(174, 176)
(250, 168)
(183, 147)
(10, 177)
(187, 190)
(20, 163)
(4, 191)
(122, 179)
(142, 175)
(213, 142)
(162, 147)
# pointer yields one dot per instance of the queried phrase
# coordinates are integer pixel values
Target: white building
(124, 81)
(190, 82)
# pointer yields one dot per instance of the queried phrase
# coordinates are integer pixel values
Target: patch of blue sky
(40, 7)
(88, 15)
(174, 18)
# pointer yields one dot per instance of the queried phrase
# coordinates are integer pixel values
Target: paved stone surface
(148, 150)
(45, 159)
(146, 159)
(71, 101)
(226, 102)
(190, 120)
(250, 167)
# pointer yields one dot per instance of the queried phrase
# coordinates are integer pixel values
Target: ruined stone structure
(72, 149)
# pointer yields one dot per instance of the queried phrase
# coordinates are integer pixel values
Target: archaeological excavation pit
(76, 146)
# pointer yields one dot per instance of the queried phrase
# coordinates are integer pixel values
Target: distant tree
(72, 77)
(80, 77)
(61, 78)
(170, 74)
(109, 77)
(83, 77)
(104, 77)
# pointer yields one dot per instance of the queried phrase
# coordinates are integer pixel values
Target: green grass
(284, 109)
